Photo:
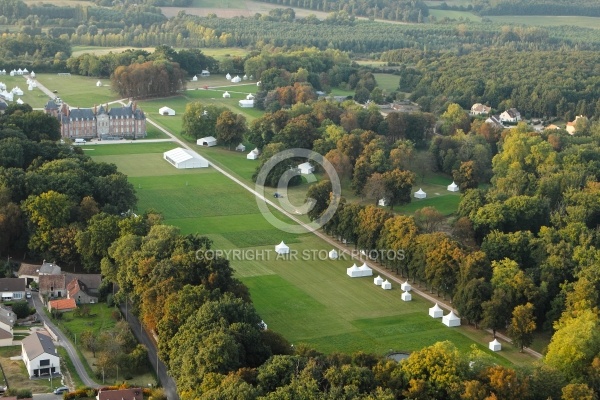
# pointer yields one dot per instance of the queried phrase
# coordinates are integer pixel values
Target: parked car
(28, 295)
(61, 390)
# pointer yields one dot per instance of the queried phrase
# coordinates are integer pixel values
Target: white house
(204, 73)
(226, 95)
(406, 296)
(166, 111)
(480, 109)
(453, 187)
(240, 147)
(282, 248)
(306, 168)
(183, 159)
(386, 285)
(7, 320)
(12, 289)
(451, 319)
(436, 311)
(253, 155)
(512, 115)
(420, 194)
(195, 79)
(378, 281)
(40, 355)
(207, 141)
(246, 103)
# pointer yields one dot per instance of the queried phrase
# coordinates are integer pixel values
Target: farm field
(388, 82)
(79, 91)
(35, 98)
(307, 297)
(453, 14)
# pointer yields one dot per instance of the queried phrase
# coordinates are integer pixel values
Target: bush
(110, 300)
(21, 308)
(116, 315)
(19, 393)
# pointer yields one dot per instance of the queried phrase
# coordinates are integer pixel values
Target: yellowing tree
(522, 326)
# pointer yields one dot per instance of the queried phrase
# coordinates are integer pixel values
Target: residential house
(52, 286)
(91, 282)
(40, 355)
(12, 288)
(512, 116)
(572, 126)
(495, 121)
(7, 320)
(77, 291)
(121, 394)
(32, 272)
(62, 305)
(480, 109)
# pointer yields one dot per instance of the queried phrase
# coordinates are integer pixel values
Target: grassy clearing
(16, 373)
(548, 20)
(98, 321)
(79, 91)
(238, 4)
(35, 98)
(387, 82)
(452, 14)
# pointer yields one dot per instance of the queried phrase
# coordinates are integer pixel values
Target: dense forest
(588, 8)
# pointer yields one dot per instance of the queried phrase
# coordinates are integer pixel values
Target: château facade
(126, 122)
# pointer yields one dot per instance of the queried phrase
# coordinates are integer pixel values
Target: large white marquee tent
(207, 141)
(182, 159)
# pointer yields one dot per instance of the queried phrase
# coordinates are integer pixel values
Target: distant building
(495, 121)
(121, 394)
(512, 115)
(480, 109)
(572, 126)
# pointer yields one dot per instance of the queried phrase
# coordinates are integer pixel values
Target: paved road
(64, 342)
(143, 337)
(332, 241)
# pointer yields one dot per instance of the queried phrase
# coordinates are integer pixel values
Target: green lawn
(219, 4)
(79, 91)
(388, 82)
(35, 98)
(98, 321)
(452, 14)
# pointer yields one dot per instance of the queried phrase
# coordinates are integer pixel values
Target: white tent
(195, 78)
(250, 97)
(19, 101)
(420, 194)
(2, 86)
(333, 254)
(453, 187)
(99, 83)
(166, 111)
(451, 319)
(353, 271)
(253, 155)
(228, 77)
(182, 159)
(245, 77)
(378, 281)
(28, 81)
(382, 202)
(19, 71)
(32, 74)
(207, 141)
(240, 147)
(226, 95)
(406, 296)
(306, 168)
(13, 72)
(495, 345)
(237, 79)
(8, 96)
(17, 90)
(282, 248)
(25, 71)
(386, 285)
(30, 87)
(205, 73)
(436, 311)
(34, 84)
(246, 103)
(365, 270)
(263, 325)
(406, 287)
(258, 83)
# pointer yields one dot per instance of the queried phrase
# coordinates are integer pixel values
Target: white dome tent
(406, 296)
(195, 79)
(495, 345)
(282, 248)
(19, 101)
(453, 187)
(333, 254)
(406, 287)
(386, 285)
(382, 202)
(237, 79)
(420, 194)
(353, 271)
(378, 281)
(451, 319)
(436, 311)
(226, 95)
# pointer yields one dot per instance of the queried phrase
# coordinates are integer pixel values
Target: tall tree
(522, 326)
(230, 128)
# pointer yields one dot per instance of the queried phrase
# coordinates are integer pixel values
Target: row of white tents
(420, 194)
(18, 72)
(356, 272)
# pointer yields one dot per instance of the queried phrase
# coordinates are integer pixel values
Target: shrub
(21, 308)
(110, 300)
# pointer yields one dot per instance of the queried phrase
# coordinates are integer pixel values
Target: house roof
(512, 112)
(122, 394)
(478, 107)
(90, 281)
(49, 269)
(4, 334)
(7, 316)
(12, 285)
(3, 105)
(52, 282)
(29, 270)
(62, 304)
(305, 165)
(51, 105)
(37, 344)
(74, 287)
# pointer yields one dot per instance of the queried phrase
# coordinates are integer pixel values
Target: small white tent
(258, 83)
(406, 287)
(228, 77)
(19, 101)
(30, 87)
(282, 248)
(253, 155)
(17, 91)
(166, 111)
(25, 71)
(453, 187)
(195, 79)
(420, 194)
(353, 271)
(333, 254)
(207, 141)
(406, 296)
(250, 97)
(495, 345)
(378, 281)
(382, 202)
(245, 77)
(386, 285)
(306, 168)
(365, 270)
(182, 159)
(99, 84)
(237, 79)
(263, 325)
(226, 95)
(436, 311)
(451, 319)
(240, 147)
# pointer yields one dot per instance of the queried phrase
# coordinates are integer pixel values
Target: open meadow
(79, 91)
(307, 297)
(35, 98)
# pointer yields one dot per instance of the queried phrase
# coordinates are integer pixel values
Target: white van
(79, 141)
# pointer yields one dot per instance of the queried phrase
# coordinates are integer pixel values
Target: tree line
(588, 8)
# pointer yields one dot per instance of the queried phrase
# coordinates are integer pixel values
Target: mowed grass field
(79, 91)
(388, 82)
(307, 297)
(35, 98)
